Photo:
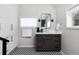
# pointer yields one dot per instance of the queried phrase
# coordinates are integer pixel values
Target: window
(73, 17)
(28, 22)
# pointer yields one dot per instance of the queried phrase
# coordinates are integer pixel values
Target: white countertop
(49, 32)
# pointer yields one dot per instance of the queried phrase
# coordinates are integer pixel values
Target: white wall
(35, 11)
(8, 16)
(70, 37)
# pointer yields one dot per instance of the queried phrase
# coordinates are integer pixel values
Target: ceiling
(59, 5)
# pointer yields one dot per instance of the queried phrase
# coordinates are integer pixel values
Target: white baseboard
(26, 46)
(62, 53)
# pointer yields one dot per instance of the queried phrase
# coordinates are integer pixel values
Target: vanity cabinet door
(56, 41)
(38, 43)
(45, 44)
(57, 44)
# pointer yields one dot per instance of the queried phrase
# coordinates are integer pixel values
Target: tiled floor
(31, 51)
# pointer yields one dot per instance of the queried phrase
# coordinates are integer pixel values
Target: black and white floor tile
(31, 51)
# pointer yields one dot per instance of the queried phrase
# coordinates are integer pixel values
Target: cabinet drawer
(48, 35)
(39, 35)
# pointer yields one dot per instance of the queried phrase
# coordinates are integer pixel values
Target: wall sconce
(52, 20)
(39, 20)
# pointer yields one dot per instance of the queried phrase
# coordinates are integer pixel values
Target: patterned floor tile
(31, 51)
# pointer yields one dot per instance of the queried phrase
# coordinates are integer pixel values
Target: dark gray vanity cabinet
(48, 42)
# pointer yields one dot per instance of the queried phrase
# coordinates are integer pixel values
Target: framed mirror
(46, 20)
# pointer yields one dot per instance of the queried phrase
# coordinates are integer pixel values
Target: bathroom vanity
(47, 38)
(48, 41)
